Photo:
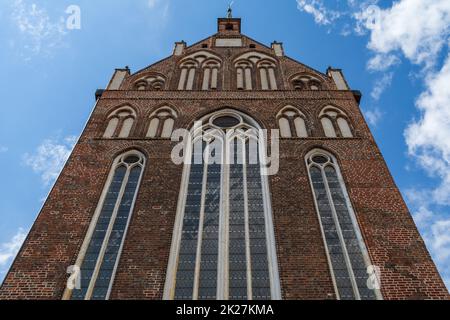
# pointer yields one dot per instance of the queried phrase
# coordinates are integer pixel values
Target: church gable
(228, 60)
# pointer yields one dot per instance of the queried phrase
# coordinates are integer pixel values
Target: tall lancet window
(223, 245)
(347, 253)
(100, 253)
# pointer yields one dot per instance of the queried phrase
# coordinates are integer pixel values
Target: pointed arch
(247, 63)
(292, 123)
(223, 243)
(120, 122)
(346, 251)
(100, 253)
(206, 61)
(150, 81)
(161, 123)
(335, 123)
(306, 81)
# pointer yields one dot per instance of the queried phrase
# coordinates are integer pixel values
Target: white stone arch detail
(246, 65)
(306, 81)
(292, 123)
(335, 123)
(152, 81)
(120, 123)
(201, 60)
(161, 123)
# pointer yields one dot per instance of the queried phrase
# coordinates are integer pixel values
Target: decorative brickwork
(391, 237)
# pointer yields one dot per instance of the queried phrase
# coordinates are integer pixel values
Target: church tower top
(229, 25)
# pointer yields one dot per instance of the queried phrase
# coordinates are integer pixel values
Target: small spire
(230, 11)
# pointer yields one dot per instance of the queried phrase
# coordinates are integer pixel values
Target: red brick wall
(394, 244)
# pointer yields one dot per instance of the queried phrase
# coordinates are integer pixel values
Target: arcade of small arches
(291, 122)
(253, 70)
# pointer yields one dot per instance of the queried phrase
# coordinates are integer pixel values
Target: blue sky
(396, 53)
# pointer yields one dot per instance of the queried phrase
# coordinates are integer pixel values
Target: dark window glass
(226, 122)
(258, 242)
(349, 233)
(189, 239)
(116, 238)
(210, 238)
(320, 159)
(247, 253)
(132, 159)
(98, 237)
(333, 242)
(237, 263)
(345, 253)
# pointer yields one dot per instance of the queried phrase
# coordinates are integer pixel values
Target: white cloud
(161, 7)
(381, 85)
(428, 138)
(417, 28)
(382, 62)
(9, 250)
(373, 116)
(317, 9)
(40, 35)
(3, 149)
(153, 3)
(49, 158)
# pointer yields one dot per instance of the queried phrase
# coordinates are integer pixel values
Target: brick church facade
(139, 226)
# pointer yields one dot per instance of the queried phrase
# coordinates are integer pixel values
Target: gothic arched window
(120, 123)
(187, 77)
(223, 244)
(267, 75)
(161, 123)
(152, 82)
(100, 254)
(346, 251)
(202, 60)
(244, 73)
(335, 123)
(306, 82)
(265, 65)
(210, 74)
(292, 123)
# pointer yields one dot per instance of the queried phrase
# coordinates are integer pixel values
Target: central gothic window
(223, 245)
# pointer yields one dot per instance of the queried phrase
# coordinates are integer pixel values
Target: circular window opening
(320, 159)
(132, 159)
(226, 122)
